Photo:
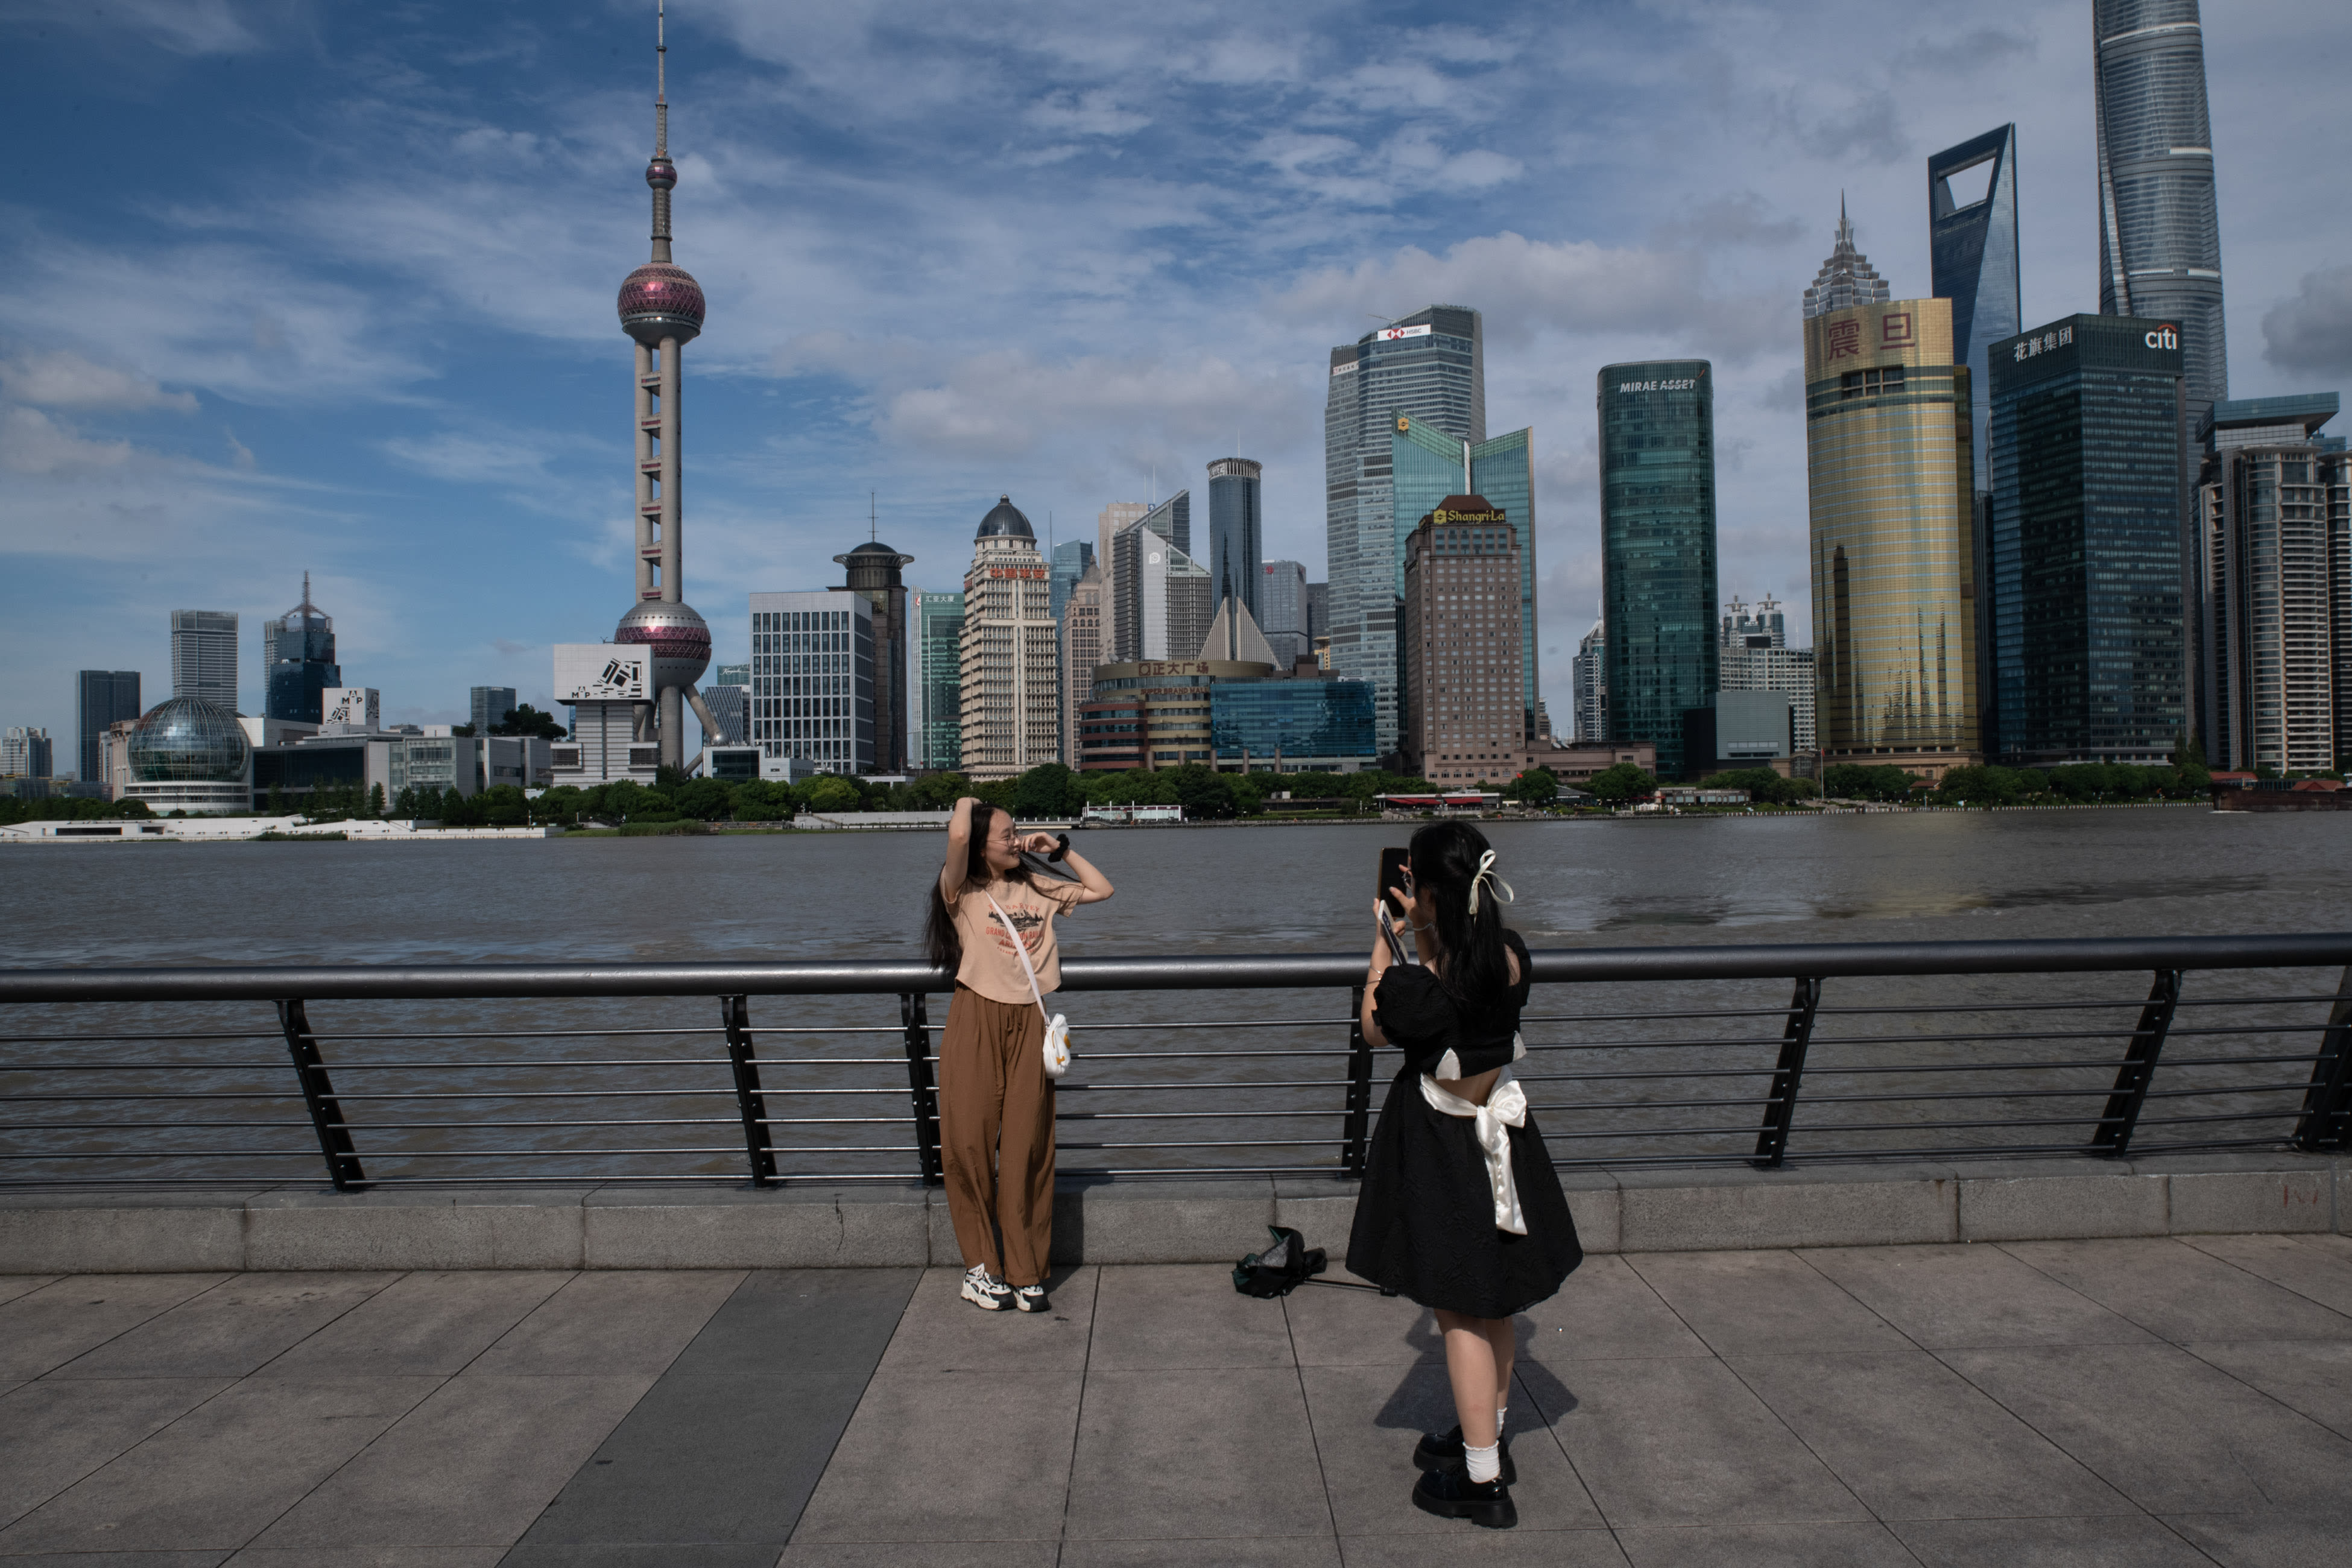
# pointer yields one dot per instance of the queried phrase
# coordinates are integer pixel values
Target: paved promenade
(2134, 1403)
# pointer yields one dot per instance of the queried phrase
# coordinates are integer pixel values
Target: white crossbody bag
(1057, 1028)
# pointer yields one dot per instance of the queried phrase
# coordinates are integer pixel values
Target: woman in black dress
(1460, 1209)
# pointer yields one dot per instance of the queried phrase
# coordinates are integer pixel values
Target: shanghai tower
(2160, 229)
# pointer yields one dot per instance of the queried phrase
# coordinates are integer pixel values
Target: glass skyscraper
(203, 656)
(1972, 252)
(102, 697)
(1236, 543)
(1892, 486)
(935, 687)
(2159, 226)
(1657, 548)
(1282, 614)
(298, 661)
(2087, 593)
(1285, 725)
(1428, 368)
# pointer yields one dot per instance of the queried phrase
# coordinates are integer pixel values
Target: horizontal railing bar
(2107, 1064)
(125, 1039)
(140, 1126)
(2251, 1001)
(2304, 1060)
(143, 1066)
(597, 1122)
(1223, 1144)
(2225, 1089)
(310, 1153)
(1652, 1017)
(734, 1149)
(1650, 1045)
(1184, 1115)
(2297, 1026)
(1973, 1038)
(2219, 1116)
(294, 1094)
(1948, 1126)
(1980, 1007)
(1748, 1130)
(1193, 972)
(341, 1035)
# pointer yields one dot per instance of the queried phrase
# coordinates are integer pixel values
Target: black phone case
(1392, 864)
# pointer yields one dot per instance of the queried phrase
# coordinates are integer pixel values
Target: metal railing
(590, 1073)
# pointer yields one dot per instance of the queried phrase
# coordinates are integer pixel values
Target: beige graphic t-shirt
(990, 966)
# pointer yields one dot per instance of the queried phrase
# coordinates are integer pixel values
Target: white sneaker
(984, 1290)
(1031, 1298)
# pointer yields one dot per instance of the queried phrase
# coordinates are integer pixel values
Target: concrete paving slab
(812, 1321)
(1275, 1551)
(991, 1451)
(1913, 1440)
(471, 1465)
(2274, 1539)
(706, 1461)
(420, 1325)
(1683, 1441)
(2128, 1540)
(1762, 1303)
(52, 1433)
(2318, 1269)
(2179, 1292)
(14, 1285)
(1765, 1546)
(1177, 1454)
(942, 1333)
(1160, 1317)
(232, 1328)
(217, 1477)
(1367, 1420)
(1358, 1328)
(1506, 1548)
(1606, 1310)
(2169, 1432)
(1971, 1295)
(624, 1323)
(48, 1327)
(2312, 1376)
(121, 1560)
(903, 1554)
(367, 1557)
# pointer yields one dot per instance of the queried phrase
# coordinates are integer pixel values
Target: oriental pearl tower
(661, 307)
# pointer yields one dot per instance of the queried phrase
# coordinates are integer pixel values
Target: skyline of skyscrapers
(2159, 217)
(1657, 547)
(2087, 587)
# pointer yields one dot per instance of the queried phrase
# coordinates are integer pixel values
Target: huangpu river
(1259, 1084)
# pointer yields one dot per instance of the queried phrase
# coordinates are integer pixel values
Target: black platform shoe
(1443, 1452)
(1449, 1494)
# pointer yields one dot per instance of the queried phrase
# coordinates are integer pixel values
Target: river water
(841, 1085)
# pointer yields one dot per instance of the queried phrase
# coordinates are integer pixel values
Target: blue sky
(330, 287)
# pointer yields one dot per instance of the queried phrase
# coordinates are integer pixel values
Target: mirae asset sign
(1684, 386)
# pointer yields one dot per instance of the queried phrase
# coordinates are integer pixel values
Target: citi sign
(2165, 337)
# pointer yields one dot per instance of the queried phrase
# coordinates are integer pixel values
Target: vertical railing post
(2121, 1117)
(2327, 1120)
(318, 1093)
(736, 1012)
(1796, 1037)
(1355, 1130)
(913, 1013)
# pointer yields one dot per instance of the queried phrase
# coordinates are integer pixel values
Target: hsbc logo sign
(2166, 336)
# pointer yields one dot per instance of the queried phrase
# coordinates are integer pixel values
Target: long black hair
(939, 939)
(1477, 971)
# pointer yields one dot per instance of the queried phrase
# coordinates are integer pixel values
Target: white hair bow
(1487, 873)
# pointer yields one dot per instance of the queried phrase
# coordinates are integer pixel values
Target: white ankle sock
(1502, 1413)
(1484, 1463)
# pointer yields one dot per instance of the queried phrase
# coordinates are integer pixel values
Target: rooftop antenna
(873, 527)
(661, 130)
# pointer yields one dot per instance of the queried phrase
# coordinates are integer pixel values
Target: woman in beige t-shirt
(996, 1104)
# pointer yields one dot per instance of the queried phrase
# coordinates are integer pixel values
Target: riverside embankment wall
(868, 1224)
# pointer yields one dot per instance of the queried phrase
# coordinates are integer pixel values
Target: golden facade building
(1888, 446)
(1012, 709)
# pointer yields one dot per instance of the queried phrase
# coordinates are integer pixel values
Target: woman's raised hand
(1040, 843)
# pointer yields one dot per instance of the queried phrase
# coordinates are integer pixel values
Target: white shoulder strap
(1020, 948)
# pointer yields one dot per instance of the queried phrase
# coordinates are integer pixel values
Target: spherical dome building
(659, 301)
(679, 638)
(188, 754)
(1005, 521)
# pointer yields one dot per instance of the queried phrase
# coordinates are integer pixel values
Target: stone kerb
(877, 1224)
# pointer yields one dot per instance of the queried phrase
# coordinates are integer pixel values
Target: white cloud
(63, 379)
(33, 443)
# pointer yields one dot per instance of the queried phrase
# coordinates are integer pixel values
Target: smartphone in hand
(1393, 868)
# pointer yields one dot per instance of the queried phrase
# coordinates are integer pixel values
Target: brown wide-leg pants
(996, 1134)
